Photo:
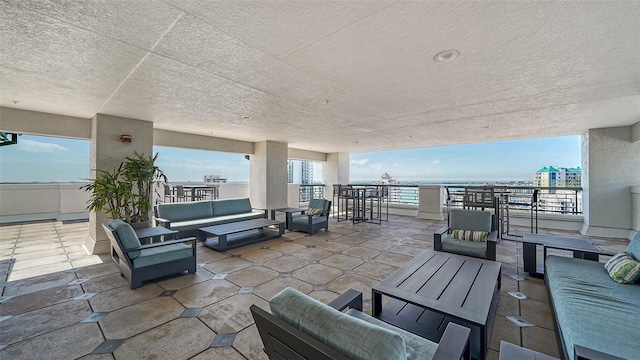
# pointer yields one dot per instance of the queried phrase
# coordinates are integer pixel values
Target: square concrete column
(610, 171)
(268, 185)
(335, 171)
(431, 199)
(107, 152)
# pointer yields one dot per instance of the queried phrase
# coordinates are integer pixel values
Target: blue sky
(49, 159)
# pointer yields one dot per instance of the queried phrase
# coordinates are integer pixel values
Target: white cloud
(435, 162)
(40, 147)
(360, 162)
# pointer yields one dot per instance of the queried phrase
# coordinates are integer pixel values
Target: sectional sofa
(188, 217)
(595, 316)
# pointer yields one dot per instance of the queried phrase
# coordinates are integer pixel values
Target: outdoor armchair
(304, 328)
(140, 263)
(463, 235)
(314, 219)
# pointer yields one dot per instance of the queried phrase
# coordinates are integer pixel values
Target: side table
(155, 233)
(288, 211)
(582, 249)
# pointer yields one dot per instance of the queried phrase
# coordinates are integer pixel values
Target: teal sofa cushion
(464, 247)
(470, 220)
(162, 254)
(194, 224)
(231, 206)
(634, 247)
(417, 347)
(127, 237)
(593, 310)
(350, 336)
(304, 219)
(185, 211)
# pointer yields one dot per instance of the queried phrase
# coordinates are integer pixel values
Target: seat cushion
(304, 219)
(185, 211)
(350, 336)
(464, 247)
(593, 310)
(231, 206)
(127, 237)
(195, 224)
(633, 248)
(417, 347)
(162, 254)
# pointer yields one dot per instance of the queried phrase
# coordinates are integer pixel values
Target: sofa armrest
(266, 216)
(162, 222)
(454, 343)
(584, 353)
(349, 299)
(492, 240)
(437, 238)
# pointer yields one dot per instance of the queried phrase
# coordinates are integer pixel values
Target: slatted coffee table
(436, 288)
(239, 233)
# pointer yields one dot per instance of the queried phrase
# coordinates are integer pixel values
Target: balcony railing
(311, 191)
(551, 200)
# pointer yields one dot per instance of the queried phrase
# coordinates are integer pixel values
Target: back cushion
(470, 220)
(127, 237)
(634, 247)
(231, 206)
(185, 211)
(350, 336)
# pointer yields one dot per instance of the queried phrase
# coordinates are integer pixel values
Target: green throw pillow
(314, 211)
(623, 268)
(469, 235)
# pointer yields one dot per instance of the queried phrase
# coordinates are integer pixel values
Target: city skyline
(50, 159)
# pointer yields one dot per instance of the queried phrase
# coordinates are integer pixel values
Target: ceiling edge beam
(635, 132)
(299, 154)
(40, 123)
(200, 142)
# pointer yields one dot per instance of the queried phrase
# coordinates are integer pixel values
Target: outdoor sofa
(595, 316)
(188, 217)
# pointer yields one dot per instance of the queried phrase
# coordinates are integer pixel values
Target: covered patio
(59, 303)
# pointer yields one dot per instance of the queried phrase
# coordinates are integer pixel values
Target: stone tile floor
(59, 303)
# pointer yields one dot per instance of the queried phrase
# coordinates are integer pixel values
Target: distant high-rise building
(300, 172)
(550, 176)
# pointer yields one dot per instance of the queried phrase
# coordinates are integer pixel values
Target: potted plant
(125, 193)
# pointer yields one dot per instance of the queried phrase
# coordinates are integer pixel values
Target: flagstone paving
(43, 271)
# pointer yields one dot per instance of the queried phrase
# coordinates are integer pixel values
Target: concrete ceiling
(330, 76)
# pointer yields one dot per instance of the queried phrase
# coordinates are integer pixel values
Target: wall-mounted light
(126, 138)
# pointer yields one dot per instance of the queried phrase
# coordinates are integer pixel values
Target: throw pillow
(314, 211)
(469, 235)
(623, 268)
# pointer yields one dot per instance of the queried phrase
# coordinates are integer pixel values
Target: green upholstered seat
(593, 310)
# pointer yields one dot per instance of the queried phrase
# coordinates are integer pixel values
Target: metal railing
(311, 191)
(551, 200)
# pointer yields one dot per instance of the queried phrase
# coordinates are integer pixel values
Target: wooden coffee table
(436, 288)
(239, 233)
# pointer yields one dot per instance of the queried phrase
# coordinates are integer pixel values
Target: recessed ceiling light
(447, 55)
(15, 102)
(245, 117)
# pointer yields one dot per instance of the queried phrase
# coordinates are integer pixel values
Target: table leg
(529, 257)
(222, 242)
(281, 227)
(273, 214)
(376, 303)
(586, 255)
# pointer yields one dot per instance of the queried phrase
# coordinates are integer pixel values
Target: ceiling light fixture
(447, 55)
(245, 117)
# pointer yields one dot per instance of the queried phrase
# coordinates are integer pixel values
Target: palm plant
(125, 192)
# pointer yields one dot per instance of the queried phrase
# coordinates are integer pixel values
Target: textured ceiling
(331, 76)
